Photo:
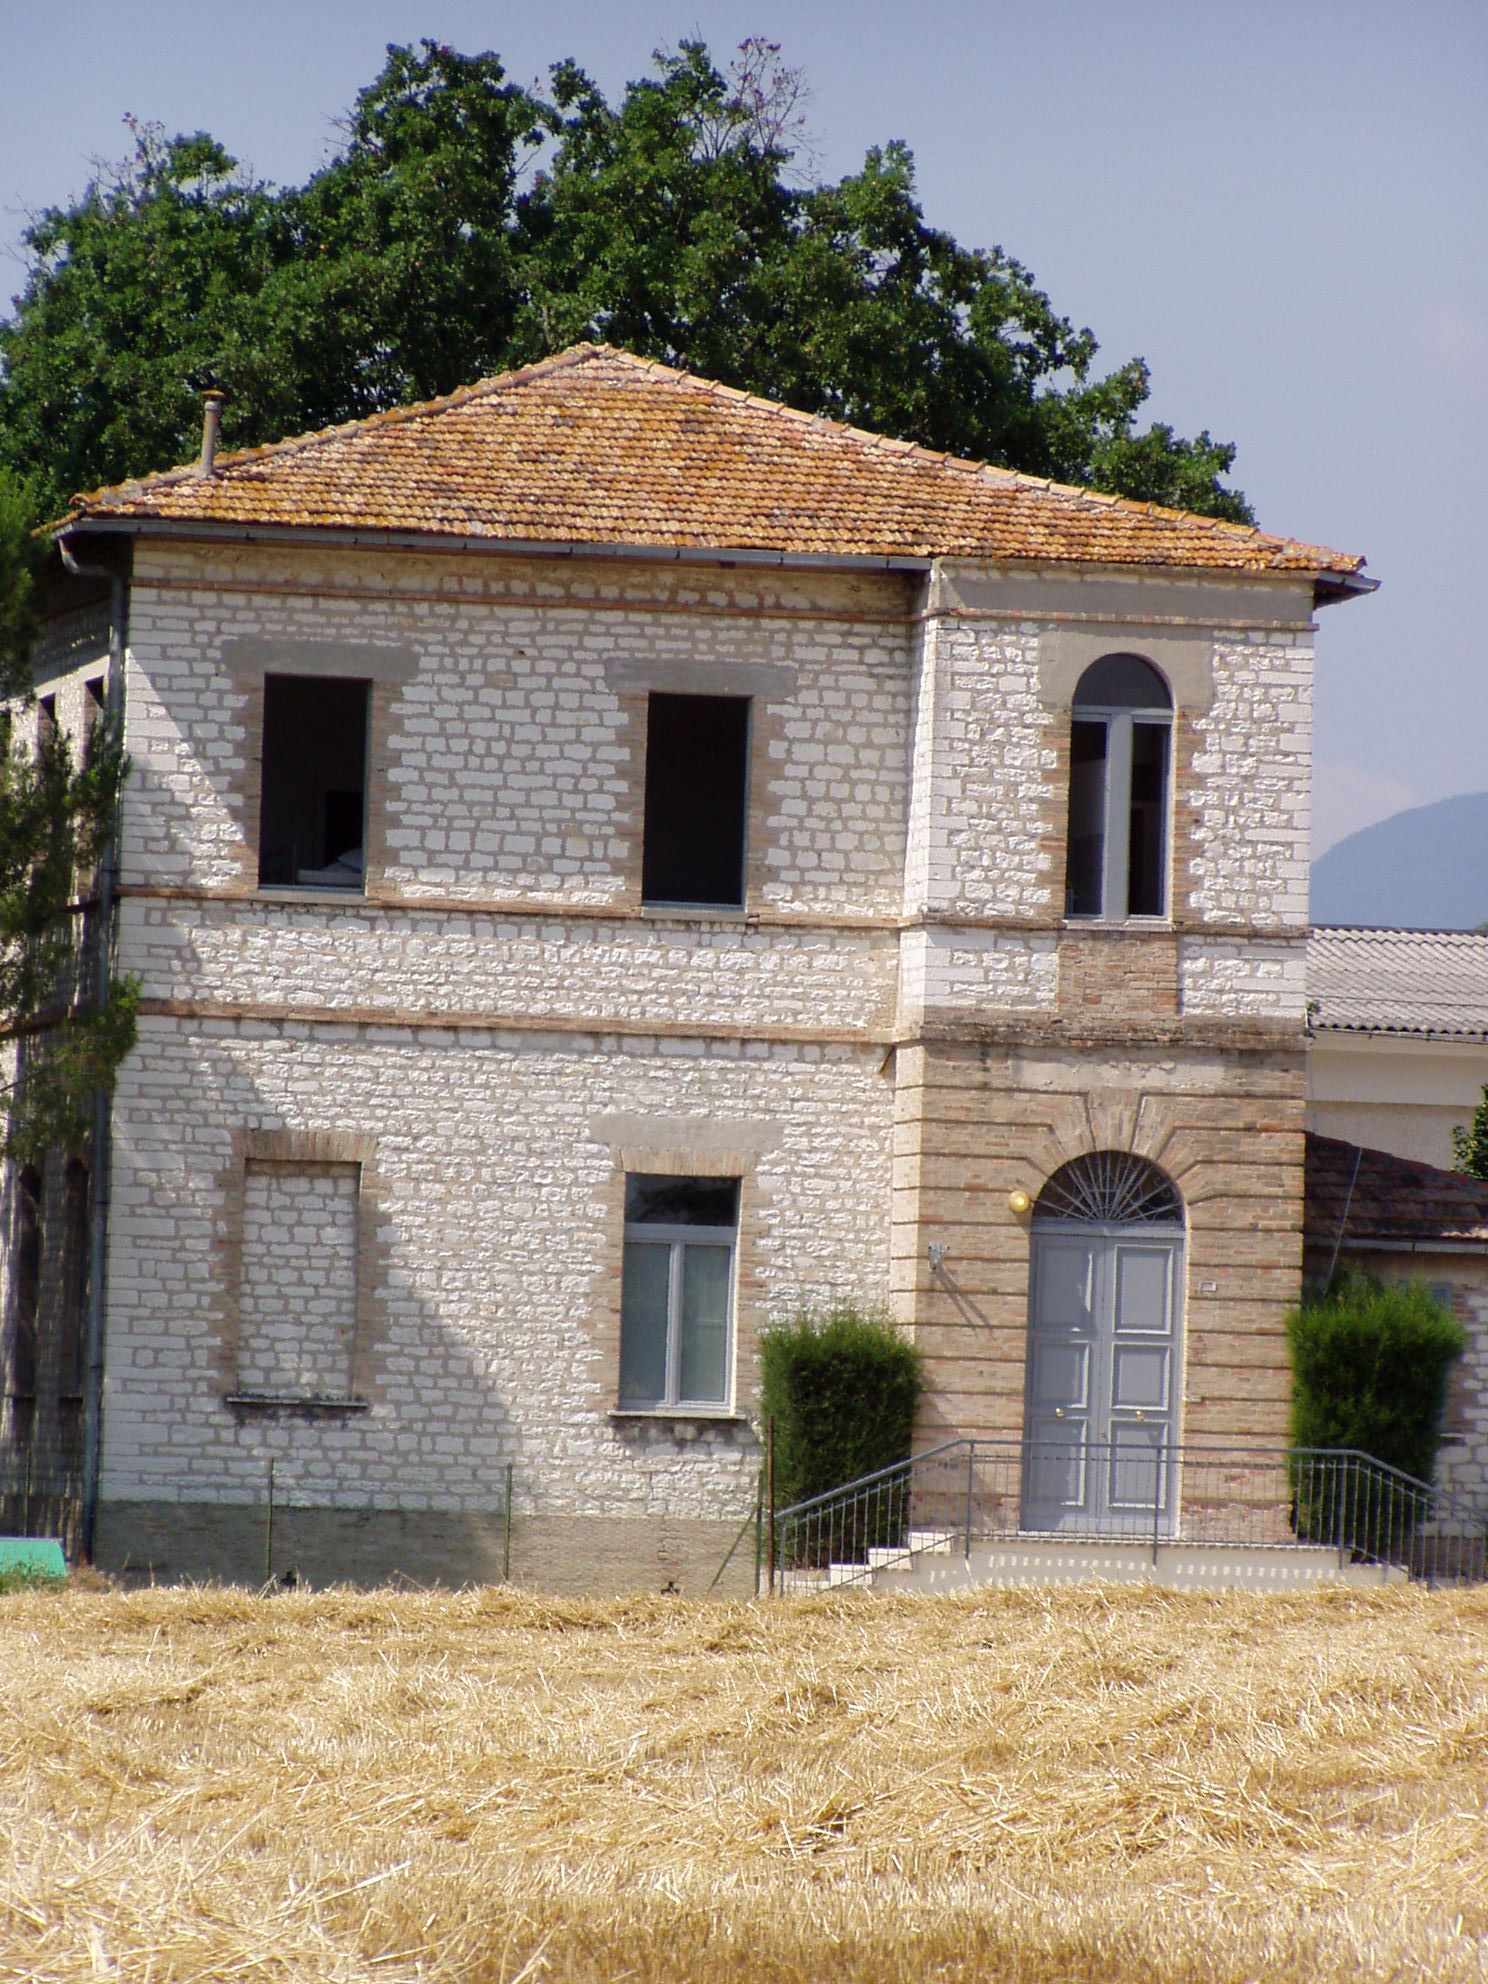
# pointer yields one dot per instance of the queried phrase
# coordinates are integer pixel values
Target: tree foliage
(467, 224)
(56, 820)
(1470, 1141)
(464, 225)
(1369, 1370)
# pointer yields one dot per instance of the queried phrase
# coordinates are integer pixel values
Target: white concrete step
(1181, 1566)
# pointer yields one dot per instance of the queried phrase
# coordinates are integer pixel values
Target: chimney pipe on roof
(211, 421)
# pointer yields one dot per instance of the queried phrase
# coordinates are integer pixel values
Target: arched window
(1116, 857)
(1109, 1188)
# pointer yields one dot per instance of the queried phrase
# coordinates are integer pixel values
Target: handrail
(966, 1489)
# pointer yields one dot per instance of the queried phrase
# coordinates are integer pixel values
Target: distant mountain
(1425, 869)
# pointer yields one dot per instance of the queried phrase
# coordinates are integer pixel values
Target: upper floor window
(697, 796)
(1121, 728)
(312, 822)
(676, 1291)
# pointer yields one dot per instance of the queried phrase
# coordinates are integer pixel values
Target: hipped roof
(597, 448)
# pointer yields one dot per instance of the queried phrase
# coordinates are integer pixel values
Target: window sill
(1119, 923)
(716, 1415)
(289, 892)
(692, 912)
(308, 1405)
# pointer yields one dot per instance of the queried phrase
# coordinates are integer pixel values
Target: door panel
(1100, 1413)
(1139, 1377)
(1144, 1288)
(1062, 1381)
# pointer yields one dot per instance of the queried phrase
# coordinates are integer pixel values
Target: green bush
(843, 1388)
(1369, 1370)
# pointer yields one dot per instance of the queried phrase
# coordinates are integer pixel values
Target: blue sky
(1283, 208)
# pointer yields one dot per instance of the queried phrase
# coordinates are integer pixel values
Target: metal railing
(968, 1492)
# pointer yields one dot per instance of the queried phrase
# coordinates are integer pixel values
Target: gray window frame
(677, 1239)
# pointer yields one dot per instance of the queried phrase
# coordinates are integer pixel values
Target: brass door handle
(1141, 1415)
(1059, 1412)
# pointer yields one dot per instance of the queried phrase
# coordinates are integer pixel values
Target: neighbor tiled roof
(597, 447)
(1399, 981)
(1372, 1195)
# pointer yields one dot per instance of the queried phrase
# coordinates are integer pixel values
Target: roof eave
(1329, 588)
(208, 531)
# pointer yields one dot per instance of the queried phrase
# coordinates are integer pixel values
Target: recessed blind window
(676, 1292)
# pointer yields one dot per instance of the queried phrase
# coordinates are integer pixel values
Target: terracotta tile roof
(597, 447)
(1386, 1198)
(1399, 981)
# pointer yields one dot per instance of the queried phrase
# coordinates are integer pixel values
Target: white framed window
(1121, 735)
(677, 1293)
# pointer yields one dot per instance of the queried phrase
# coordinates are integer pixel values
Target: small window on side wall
(697, 794)
(1116, 856)
(313, 797)
(676, 1292)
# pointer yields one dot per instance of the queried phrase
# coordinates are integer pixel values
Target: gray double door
(1104, 1340)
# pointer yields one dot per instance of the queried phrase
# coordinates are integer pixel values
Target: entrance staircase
(1188, 1517)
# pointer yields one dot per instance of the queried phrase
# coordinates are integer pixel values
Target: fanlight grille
(1110, 1187)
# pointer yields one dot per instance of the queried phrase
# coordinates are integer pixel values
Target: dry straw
(1032, 1785)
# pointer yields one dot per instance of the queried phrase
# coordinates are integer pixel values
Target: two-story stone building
(610, 860)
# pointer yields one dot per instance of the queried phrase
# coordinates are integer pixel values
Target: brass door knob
(1059, 1412)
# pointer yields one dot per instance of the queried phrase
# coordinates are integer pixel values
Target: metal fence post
(970, 1465)
(1157, 1503)
(269, 1530)
(770, 1491)
(506, 1530)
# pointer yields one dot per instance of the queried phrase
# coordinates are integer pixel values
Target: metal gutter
(99, 1178)
(410, 540)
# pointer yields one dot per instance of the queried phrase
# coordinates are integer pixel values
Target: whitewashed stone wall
(297, 1313)
(907, 767)
(1253, 785)
(640, 972)
(983, 755)
(1242, 978)
(494, 1177)
(509, 773)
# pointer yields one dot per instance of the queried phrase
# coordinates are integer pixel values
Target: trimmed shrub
(1369, 1370)
(843, 1388)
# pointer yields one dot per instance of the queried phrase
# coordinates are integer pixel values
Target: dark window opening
(676, 1291)
(697, 785)
(1085, 856)
(27, 1284)
(72, 1319)
(97, 699)
(46, 719)
(1146, 867)
(313, 805)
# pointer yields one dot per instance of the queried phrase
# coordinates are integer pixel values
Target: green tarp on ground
(31, 1557)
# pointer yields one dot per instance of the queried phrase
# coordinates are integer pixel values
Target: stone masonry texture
(369, 1154)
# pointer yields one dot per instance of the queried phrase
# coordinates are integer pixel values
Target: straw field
(1067, 1785)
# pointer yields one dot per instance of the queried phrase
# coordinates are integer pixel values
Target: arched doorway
(1104, 1345)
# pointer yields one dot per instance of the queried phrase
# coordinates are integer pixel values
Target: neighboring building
(610, 860)
(1399, 1048)
(1399, 1220)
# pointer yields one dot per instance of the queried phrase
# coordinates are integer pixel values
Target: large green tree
(466, 225)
